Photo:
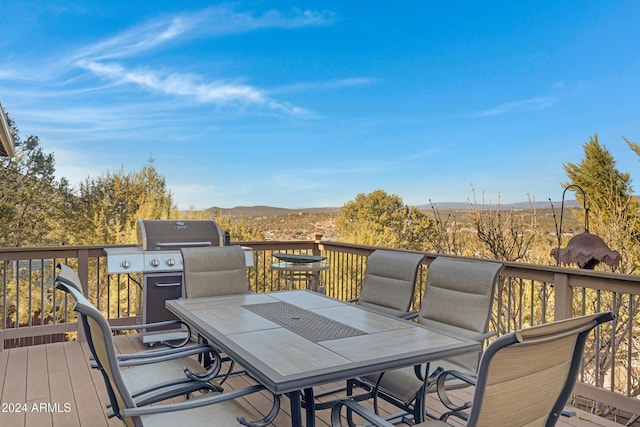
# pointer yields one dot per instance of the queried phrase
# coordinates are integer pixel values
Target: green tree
(33, 203)
(612, 207)
(107, 208)
(381, 219)
(598, 176)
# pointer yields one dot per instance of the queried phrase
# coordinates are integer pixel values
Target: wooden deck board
(14, 391)
(59, 373)
(61, 388)
(38, 387)
(88, 402)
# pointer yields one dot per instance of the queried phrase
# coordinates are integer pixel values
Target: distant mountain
(265, 211)
(260, 211)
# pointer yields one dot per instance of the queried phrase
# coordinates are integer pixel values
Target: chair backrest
(214, 270)
(69, 277)
(390, 280)
(526, 377)
(458, 299)
(100, 341)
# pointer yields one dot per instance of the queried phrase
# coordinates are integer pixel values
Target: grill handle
(167, 285)
(182, 244)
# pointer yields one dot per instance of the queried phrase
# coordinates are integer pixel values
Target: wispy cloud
(189, 85)
(107, 59)
(559, 90)
(213, 21)
(532, 104)
(177, 83)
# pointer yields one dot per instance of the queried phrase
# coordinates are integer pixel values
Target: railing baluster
(17, 321)
(629, 345)
(4, 294)
(30, 293)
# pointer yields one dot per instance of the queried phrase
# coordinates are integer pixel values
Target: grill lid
(156, 235)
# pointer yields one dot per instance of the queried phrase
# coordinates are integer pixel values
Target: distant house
(7, 148)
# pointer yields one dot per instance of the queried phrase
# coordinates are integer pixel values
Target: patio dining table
(292, 341)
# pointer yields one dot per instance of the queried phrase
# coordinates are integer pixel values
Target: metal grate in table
(305, 323)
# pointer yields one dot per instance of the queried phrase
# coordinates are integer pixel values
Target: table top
(299, 258)
(292, 340)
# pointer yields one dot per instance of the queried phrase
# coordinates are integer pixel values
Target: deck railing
(33, 312)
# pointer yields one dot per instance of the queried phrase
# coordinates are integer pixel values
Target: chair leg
(419, 407)
(349, 413)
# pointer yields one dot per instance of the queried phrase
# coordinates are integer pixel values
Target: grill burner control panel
(162, 261)
(124, 260)
(135, 260)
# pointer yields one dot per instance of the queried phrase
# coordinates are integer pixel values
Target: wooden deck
(52, 385)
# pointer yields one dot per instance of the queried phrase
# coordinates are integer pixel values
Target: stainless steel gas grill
(159, 259)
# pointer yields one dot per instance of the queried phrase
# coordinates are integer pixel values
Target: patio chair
(216, 408)
(156, 374)
(524, 378)
(457, 301)
(214, 270)
(390, 281)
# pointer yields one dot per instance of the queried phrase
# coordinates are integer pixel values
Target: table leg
(310, 407)
(296, 408)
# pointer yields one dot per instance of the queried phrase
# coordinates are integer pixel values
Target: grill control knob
(170, 262)
(154, 262)
(126, 264)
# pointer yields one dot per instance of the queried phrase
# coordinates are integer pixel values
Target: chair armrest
(190, 403)
(146, 358)
(484, 336)
(167, 390)
(370, 417)
(177, 352)
(156, 359)
(208, 400)
(170, 389)
(409, 315)
(162, 324)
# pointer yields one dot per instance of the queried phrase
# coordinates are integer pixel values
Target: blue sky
(306, 103)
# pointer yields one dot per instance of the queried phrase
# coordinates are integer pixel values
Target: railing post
(316, 241)
(564, 297)
(316, 283)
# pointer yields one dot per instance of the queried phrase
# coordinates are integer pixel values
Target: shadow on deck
(52, 385)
